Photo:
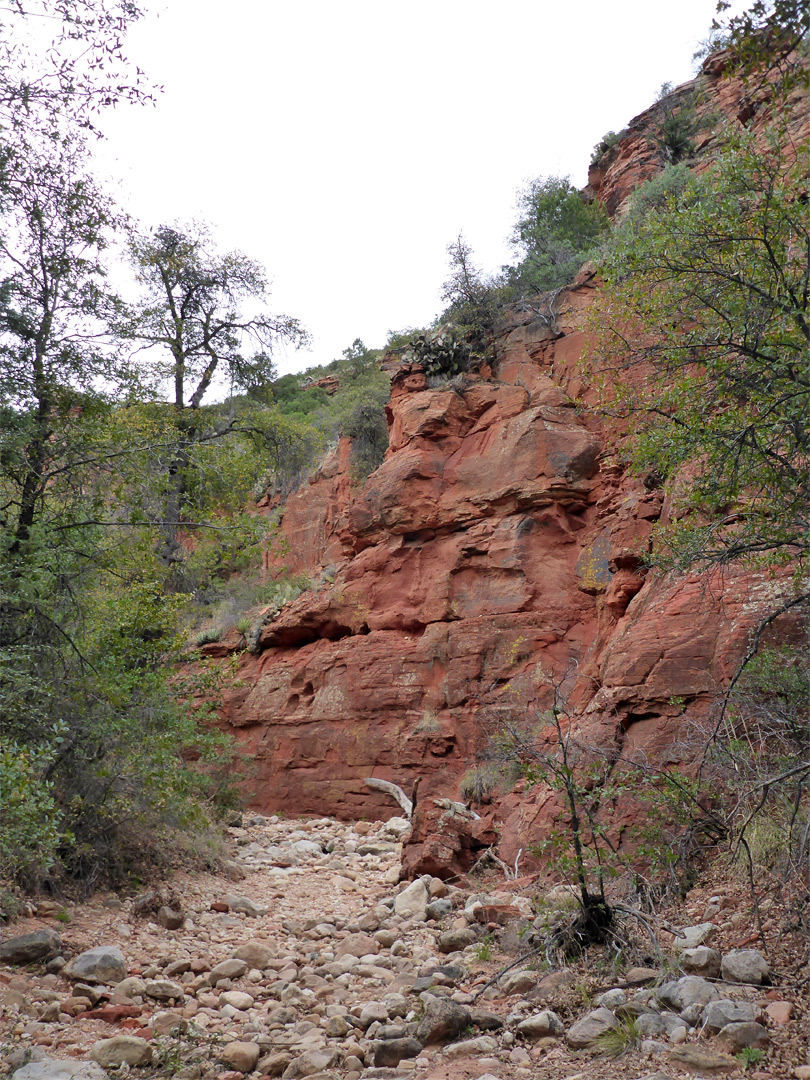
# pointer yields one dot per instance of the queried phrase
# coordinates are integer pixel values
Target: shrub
(32, 829)
(605, 145)
(555, 232)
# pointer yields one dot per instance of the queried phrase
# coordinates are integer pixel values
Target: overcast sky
(344, 145)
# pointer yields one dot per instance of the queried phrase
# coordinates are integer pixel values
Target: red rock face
(496, 552)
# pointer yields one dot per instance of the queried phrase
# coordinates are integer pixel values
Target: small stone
(611, 999)
(779, 1012)
(164, 1023)
(357, 945)
(802, 1072)
(121, 1050)
(242, 1056)
(274, 1064)
(237, 999)
(310, 1062)
(688, 990)
(745, 966)
(28, 948)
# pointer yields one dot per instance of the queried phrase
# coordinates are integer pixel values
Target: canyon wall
(493, 559)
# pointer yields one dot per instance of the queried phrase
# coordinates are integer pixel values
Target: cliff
(494, 558)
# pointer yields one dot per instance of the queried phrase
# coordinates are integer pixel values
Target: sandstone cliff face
(495, 554)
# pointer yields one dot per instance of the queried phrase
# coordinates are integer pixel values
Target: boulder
(49, 1068)
(478, 1047)
(412, 901)
(745, 966)
(255, 954)
(244, 906)
(389, 1053)
(719, 1013)
(541, 1025)
(441, 1021)
(121, 1050)
(701, 961)
(586, 1031)
(104, 964)
(693, 936)
(163, 990)
(701, 1062)
(28, 948)
(686, 991)
(738, 1036)
(242, 1056)
(456, 940)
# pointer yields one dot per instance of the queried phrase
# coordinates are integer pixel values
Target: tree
(192, 318)
(768, 42)
(705, 318)
(65, 58)
(57, 224)
(556, 232)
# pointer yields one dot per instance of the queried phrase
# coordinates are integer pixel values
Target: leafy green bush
(556, 231)
(605, 145)
(31, 830)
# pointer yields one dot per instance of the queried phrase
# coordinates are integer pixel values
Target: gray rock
(104, 964)
(121, 1050)
(586, 1031)
(719, 1013)
(237, 999)
(412, 901)
(227, 969)
(437, 909)
(484, 1020)
(650, 1024)
(372, 1011)
(541, 1025)
(701, 961)
(390, 1052)
(310, 1062)
(169, 918)
(745, 966)
(442, 1020)
(481, 1046)
(56, 1069)
(242, 905)
(519, 982)
(688, 990)
(28, 948)
(163, 990)
(456, 940)
(738, 1036)
(694, 936)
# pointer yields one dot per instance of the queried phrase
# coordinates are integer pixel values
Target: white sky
(344, 144)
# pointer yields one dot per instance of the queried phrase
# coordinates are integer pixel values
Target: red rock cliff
(497, 550)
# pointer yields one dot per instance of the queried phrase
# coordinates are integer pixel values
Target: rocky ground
(310, 960)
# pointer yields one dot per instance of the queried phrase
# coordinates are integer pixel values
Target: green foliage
(760, 757)
(556, 232)
(750, 1055)
(480, 781)
(618, 1040)
(31, 830)
(483, 950)
(356, 408)
(768, 44)
(605, 145)
(676, 126)
(705, 321)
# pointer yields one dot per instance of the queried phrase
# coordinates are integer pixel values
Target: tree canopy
(706, 318)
